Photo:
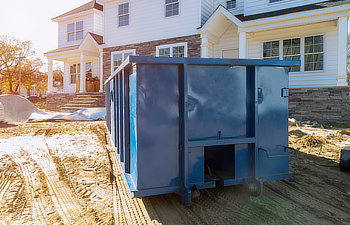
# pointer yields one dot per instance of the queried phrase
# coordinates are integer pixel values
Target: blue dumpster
(179, 125)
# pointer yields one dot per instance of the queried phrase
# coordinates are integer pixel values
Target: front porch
(83, 66)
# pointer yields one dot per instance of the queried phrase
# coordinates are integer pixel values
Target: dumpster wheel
(255, 188)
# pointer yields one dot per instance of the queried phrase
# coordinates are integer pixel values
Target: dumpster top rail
(198, 61)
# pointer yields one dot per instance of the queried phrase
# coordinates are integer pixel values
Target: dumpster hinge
(285, 92)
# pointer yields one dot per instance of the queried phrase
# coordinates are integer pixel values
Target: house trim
(185, 44)
(302, 52)
(133, 51)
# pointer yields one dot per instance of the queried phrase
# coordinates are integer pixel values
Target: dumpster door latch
(260, 95)
(285, 92)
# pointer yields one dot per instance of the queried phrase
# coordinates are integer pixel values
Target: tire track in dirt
(39, 204)
(127, 210)
(12, 194)
(63, 198)
(312, 203)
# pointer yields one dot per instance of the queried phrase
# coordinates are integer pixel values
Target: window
(88, 70)
(171, 8)
(119, 57)
(271, 50)
(272, 1)
(74, 73)
(123, 12)
(291, 51)
(70, 32)
(309, 50)
(80, 30)
(231, 4)
(75, 31)
(173, 50)
(313, 51)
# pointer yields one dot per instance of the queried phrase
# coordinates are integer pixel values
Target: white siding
(262, 6)
(148, 22)
(62, 30)
(326, 78)
(98, 23)
(238, 10)
(228, 42)
(207, 7)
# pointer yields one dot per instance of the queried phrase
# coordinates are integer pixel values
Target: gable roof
(97, 38)
(320, 5)
(88, 6)
(64, 49)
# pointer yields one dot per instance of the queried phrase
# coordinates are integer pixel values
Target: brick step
(89, 96)
(85, 105)
(82, 102)
(86, 98)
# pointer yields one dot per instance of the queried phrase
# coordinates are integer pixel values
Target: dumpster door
(272, 131)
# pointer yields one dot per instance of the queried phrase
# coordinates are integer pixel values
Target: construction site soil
(60, 173)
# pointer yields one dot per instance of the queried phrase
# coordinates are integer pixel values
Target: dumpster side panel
(217, 102)
(158, 125)
(113, 104)
(272, 121)
(108, 107)
(133, 126)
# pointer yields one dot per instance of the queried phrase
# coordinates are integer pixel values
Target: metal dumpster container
(184, 124)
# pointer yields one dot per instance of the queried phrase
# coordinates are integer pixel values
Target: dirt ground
(59, 173)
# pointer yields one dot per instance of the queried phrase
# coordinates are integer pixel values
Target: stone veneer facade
(149, 49)
(324, 105)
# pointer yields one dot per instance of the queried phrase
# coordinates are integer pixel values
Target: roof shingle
(90, 5)
(320, 5)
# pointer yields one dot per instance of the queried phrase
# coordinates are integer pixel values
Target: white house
(101, 35)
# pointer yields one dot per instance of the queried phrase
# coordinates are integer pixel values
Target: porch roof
(320, 5)
(61, 50)
(95, 40)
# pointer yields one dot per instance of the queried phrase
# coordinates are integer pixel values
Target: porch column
(82, 73)
(50, 77)
(342, 51)
(205, 47)
(242, 45)
(101, 70)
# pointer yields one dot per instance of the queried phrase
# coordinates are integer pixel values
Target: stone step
(86, 98)
(71, 109)
(84, 105)
(93, 96)
(82, 102)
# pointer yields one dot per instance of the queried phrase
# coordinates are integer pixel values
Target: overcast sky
(30, 20)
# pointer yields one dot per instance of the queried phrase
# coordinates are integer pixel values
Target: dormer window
(231, 4)
(172, 8)
(75, 31)
(123, 12)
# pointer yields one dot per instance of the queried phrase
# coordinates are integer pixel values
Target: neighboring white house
(101, 35)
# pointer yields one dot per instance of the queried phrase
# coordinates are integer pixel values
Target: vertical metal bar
(127, 121)
(256, 114)
(115, 107)
(117, 111)
(122, 113)
(185, 129)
